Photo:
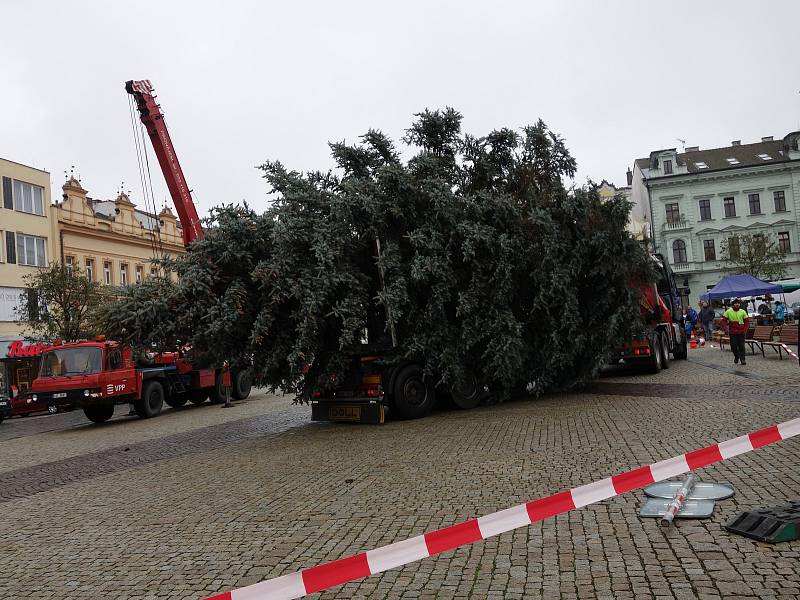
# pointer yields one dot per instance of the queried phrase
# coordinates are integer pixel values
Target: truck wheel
(151, 401)
(414, 394)
(52, 409)
(664, 351)
(681, 350)
(655, 354)
(99, 413)
(467, 392)
(218, 391)
(198, 396)
(242, 383)
(176, 400)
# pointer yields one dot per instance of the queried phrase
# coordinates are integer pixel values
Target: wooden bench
(788, 336)
(762, 335)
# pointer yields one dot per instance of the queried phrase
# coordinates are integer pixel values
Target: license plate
(3, 403)
(344, 413)
(60, 395)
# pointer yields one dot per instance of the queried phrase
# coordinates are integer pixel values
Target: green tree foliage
(60, 303)
(487, 263)
(756, 254)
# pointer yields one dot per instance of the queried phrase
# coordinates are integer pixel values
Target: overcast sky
(242, 82)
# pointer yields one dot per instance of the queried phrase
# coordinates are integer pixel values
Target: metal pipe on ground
(678, 500)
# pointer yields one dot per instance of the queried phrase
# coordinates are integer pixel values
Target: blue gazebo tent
(737, 286)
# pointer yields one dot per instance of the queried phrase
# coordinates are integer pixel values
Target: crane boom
(153, 120)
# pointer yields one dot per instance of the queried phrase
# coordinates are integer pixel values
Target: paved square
(203, 500)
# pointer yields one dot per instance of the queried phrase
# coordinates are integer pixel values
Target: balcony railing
(677, 225)
(682, 267)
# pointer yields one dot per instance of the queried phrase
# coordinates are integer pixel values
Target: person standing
(780, 312)
(691, 320)
(707, 320)
(737, 321)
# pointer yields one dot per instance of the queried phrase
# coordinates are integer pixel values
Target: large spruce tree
(471, 255)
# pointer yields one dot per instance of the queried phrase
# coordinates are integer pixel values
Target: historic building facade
(699, 198)
(112, 241)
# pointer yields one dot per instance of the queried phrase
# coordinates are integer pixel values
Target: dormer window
(667, 167)
(701, 165)
(732, 161)
(764, 157)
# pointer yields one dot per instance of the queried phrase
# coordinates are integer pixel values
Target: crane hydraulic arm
(153, 120)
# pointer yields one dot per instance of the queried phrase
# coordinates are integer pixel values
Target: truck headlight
(86, 393)
(34, 397)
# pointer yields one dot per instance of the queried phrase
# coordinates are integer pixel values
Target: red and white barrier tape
(322, 577)
(785, 347)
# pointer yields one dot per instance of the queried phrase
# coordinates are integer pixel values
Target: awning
(736, 286)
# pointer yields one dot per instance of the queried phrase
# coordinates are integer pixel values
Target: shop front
(19, 365)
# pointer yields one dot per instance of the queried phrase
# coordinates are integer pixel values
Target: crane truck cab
(97, 375)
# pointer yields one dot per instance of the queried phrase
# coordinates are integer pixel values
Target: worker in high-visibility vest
(737, 321)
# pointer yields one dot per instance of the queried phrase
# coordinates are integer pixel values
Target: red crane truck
(96, 375)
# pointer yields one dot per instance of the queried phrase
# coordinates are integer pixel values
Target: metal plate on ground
(691, 509)
(701, 491)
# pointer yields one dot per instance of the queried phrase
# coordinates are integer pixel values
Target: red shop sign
(20, 350)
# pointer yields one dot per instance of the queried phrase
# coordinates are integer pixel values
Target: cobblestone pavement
(270, 501)
(76, 436)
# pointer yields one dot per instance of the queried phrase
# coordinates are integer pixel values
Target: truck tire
(242, 383)
(681, 350)
(655, 354)
(414, 394)
(664, 351)
(99, 413)
(198, 396)
(151, 401)
(467, 393)
(176, 400)
(218, 391)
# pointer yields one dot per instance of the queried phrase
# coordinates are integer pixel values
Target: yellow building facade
(27, 230)
(112, 241)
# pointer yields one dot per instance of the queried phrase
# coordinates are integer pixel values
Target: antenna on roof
(683, 143)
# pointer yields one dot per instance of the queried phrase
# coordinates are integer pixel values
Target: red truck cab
(97, 375)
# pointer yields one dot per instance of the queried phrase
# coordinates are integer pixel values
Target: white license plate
(3, 403)
(60, 395)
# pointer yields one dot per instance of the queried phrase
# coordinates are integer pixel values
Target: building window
(31, 251)
(153, 271)
(11, 248)
(755, 203)
(780, 201)
(123, 274)
(733, 247)
(69, 262)
(90, 269)
(673, 214)
(139, 273)
(667, 167)
(708, 250)
(28, 198)
(730, 206)
(705, 209)
(107, 272)
(783, 241)
(679, 252)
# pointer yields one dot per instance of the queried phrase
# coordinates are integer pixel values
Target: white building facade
(699, 198)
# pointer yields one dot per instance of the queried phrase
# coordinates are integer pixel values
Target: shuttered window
(8, 198)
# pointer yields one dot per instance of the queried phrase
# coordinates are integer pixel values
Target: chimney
(693, 149)
(766, 138)
(736, 143)
(629, 175)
